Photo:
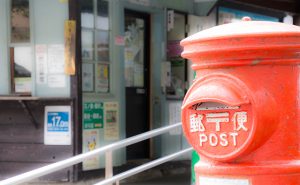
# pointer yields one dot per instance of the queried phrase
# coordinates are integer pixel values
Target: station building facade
(77, 75)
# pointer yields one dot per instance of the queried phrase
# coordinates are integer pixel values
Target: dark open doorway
(137, 58)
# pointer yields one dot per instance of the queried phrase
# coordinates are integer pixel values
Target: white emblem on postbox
(218, 128)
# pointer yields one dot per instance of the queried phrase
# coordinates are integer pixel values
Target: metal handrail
(144, 167)
(81, 157)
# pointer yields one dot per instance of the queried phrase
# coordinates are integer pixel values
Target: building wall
(47, 27)
(159, 105)
(48, 20)
(22, 142)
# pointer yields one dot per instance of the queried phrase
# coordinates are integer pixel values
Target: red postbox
(242, 113)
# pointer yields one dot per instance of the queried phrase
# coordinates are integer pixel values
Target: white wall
(4, 63)
(47, 27)
(48, 22)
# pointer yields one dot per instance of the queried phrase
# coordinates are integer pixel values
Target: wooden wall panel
(10, 169)
(22, 143)
(33, 152)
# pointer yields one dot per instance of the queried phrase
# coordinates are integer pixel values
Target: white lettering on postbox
(217, 129)
(217, 118)
(196, 123)
(239, 118)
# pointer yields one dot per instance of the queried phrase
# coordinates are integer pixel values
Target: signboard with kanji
(93, 115)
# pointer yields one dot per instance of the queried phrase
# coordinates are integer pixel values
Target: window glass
(87, 77)
(87, 37)
(102, 81)
(177, 87)
(21, 58)
(20, 26)
(102, 15)
(87, 14)
(134, 52)
(95, 46)
(102, 40)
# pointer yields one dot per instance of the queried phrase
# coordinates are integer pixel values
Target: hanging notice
(70, 38)
(171, 17)
(93, 115)
(23, 85)
(102, 82)
(56, 59)
(57, 129)
(91, 142)
(41, 64)
(111, 121)
(175, 116)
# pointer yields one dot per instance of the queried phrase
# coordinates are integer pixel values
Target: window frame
(95, 60)
(12, 45)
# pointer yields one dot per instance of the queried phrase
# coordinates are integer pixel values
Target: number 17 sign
(57, 129)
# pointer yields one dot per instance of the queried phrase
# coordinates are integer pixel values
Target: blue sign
(238, 14)
(58, 121)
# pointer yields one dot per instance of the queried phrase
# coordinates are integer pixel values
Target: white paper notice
(111, 121)
(41, 64)
(91, 138)
(57, 80)
(175, 116)
(56, 59)
(57, 129)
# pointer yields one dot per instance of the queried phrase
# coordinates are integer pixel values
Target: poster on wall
(70, 38)
(57, 129)
(56, 65)
(91, 140)
(22, 85)
(129, 67)
(56, 59)
(111, 121)
(41, 60)
(92, 115)
(102, 82)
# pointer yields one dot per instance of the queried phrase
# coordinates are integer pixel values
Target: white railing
(25, 177)
(144, 167)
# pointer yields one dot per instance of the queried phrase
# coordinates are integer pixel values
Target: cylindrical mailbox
(242, 113)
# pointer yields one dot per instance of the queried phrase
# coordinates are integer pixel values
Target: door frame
(147, 62)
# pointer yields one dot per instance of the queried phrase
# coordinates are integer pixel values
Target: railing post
(108, 164)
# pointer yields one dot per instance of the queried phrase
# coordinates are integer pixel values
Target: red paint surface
(254, 67)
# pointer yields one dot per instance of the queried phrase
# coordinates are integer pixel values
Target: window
(20, 47)
(177, 87)
(95, 46)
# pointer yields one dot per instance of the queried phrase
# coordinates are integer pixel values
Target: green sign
(92, 115)
(195, 159)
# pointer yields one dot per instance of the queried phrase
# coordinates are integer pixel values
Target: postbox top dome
(243, 43)
(244, 28)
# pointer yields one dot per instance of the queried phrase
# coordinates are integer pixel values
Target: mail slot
(241, 113)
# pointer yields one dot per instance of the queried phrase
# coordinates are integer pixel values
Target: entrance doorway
(137, 60)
